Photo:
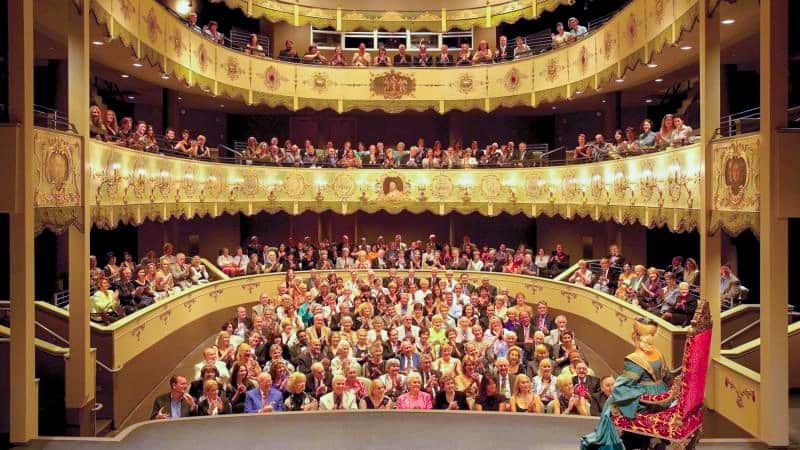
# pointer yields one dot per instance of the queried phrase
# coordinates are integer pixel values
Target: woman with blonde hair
(244, 356)
(226, 352)
(211, 403)
(446, 364)
(376, 399)
(523, 399)
(514, 356)
(469, 379)
(544, 383)
(568, 402)
(110, 122)
(298, 399)
(96, 126)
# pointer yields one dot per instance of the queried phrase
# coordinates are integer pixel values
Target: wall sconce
(108, 179)
(160, 183)
(465, 189)
(236, 186)
(648, 183)
(187, 186)
(677, 180)
(598, 187)
(209, 184)
(271, 186)
(136, 182)
(510, 186)
(320, 193)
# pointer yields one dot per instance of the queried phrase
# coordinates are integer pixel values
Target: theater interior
(330, 224)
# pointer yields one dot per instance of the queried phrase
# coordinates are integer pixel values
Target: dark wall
(662, 245)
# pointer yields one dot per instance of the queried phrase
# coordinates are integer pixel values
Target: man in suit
(543, 321)
(407, 329)
(676, 268)
(313, 354)
(492, 289)
(392, 345)
(262, 306)
(525, 330)
(242, 324)
(504, 51)
(434, 279)
(729, 285)
(208, 372)
(299, 347)
(585, 384)
(606, 277)
(319, 381)
(559, 261)
(409, 359)
(402, 59)
(175, 403)
(318, 330)
(466, 287)
(410, 279)
(264, 398)
(210, 359)
(598, 399)
(340, 398)
(504, 378)
(616, 258)
(444, 59)
(392, 278)
(430, 377)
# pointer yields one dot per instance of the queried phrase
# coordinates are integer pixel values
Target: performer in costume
(644, 373)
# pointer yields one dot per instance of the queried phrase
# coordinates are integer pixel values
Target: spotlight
(728, 21)
(658, 80)
(686, 48)
(138, 65)
(620, 80)
(124, 75)
(130, 97)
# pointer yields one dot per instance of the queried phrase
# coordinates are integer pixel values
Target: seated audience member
(240, 385)
(298, 399)
(265, 398)
(104, 303)
(111, 126)
(560, 37)
(598, 399)
(616, 146)
(199, 273)
(606, 277)
(448, 397)
(504, 51)
(647, 296)
(340, 398)
(523, 399)
(582, 150)
(213, 33)
(685, 305)
(665, 132)
(402, 58)
(191, 22)
(683, 134)
(338, 57)
(376, 398)
(576, 30)
(181, 274)
(521, 49)
(313, 56)
(211, 358)
(585, 383)
(624, 281)
(646, 140)
(361, 58)
(382, 59)
(583, 275)
(176, 403)
(423, 59)
(675, 268)
(184, 145)
(97, 129)
(568, 401)
(489, 397)
(464, 58)
(629, 146)
(212, 403)
(483, 54)
(559, 261)
(288, 53)
(691, 273)
(443, 60)
(544, 383)
(415, 398)
(394, 381)
(614, 256)
(600, 148)
(729, 285)
(253, 47)
(200, 149)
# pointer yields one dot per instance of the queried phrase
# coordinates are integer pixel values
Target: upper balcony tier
(603, 61)
(430, 15)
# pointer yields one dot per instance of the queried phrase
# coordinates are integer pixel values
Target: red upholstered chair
(680, 424)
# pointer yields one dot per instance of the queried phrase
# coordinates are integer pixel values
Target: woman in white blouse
(541, 260)
(544, 384)
(198, 271)
(475, 263)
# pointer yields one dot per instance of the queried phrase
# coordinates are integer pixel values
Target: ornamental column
(774, 62)
(22, 360)
(710, 245)
(80, 370)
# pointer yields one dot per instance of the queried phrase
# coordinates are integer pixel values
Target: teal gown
(635, 381)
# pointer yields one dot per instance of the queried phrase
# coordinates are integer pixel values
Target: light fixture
(165, 76)
(552, 107)
(620, 80)
(604, 100)
(130, 97)
(648, 100)
(658, 80)
(221, 106)
(652, 65)
(124, 75)
(98, 43)
(578, 92)
(686, 48)
(138, 65)
(180, 98)
(728, 21)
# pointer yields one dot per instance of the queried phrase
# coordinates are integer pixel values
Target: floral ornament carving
(188, 184)
(343, 186)
(202, 57)
(137, 181)
(127, 9)
(741, 394)
(569, 185)
(512, 79)
(648, 183)
(552, 70)
(153, 28)
(736, 174)
(272, 79)
(465, 83)
(620, 183)
(536, 187)
(213, 185)
(491, 187)
(251, 185)
(176, 38)
(658, 10)
(442, 186)
(597, 186)
(233, 68)
(56, 175)
(583, 59)
(609, 42)
(294, 184)
(320, 82)
(633, 27)
(392, 85)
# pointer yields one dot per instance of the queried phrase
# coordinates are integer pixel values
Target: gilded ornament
(392, 85)
(343, 186)
(535, 186)
(491, 187)
(735, 174)
(552, 69)
(512, 79)
(233, 68)
(56, 175)
(202, 57)
(177, 41)
(153, 28)
(465, 83)
(272, 79)
(294, 184)
(320, 82)
(442, 186)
